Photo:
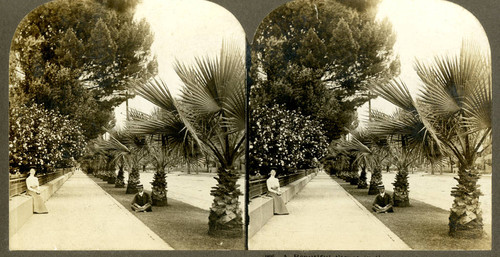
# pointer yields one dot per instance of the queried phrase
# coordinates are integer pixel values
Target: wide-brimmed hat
(381, 186)
(139, 186)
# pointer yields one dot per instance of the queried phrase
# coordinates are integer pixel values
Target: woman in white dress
(274, 190)
(34, 190)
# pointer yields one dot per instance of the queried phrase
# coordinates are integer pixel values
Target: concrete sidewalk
(82, 216)
(323, 216)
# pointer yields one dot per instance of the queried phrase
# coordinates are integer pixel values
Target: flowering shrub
(42, 138)
(284, 139)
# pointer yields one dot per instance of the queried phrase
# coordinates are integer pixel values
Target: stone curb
(260, 209)
(21, 206)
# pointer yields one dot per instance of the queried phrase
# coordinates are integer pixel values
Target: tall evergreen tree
(318, 56)
(77, 57)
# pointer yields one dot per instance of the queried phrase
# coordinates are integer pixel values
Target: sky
(183, 30)
(425, 28)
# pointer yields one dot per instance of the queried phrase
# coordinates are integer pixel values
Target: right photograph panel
(370, 127)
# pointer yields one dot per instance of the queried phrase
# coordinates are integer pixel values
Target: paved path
(82, 216)
(323, 216)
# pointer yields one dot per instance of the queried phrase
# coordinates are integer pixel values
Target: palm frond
(478, 104)
(233, 77)
(451, 83)
(234, 106)
(200, 91)
(136, 114)
(156, 92)
(216, 85)
(478, 109)
(395, 92)
(440, 91)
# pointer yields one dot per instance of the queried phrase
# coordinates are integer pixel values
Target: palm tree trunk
(465, 219)
(111, 176)
(401, 195)
(225, 217)
(354, 176)
(120, 178)
(159, 191)
(133, 180)
(362, 178)
(375, 180)
(102, 174)
(110, 172)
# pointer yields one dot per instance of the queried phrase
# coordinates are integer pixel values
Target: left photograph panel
(127, 127)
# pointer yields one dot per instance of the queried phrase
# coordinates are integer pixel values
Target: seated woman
(34, 190)
(273, 188)
(383, 201)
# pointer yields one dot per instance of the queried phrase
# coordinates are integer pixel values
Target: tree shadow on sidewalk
(182, 226)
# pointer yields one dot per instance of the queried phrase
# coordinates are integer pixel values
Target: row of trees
(130, 152)
(207, 119)
(450, 119)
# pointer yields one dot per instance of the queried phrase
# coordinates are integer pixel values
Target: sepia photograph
(370, 127)
(270, 128)
(127, 127)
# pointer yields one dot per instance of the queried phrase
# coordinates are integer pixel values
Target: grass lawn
(421, 226)
(182, 226)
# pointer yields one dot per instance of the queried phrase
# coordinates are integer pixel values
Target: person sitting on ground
(142, 201)
(34, 190)
(383, 201)
(273, 188)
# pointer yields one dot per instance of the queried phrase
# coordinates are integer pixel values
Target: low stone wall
(260, 209)
(21, 206)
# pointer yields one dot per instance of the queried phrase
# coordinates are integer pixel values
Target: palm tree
(120, 177)
(212, 111)
(166, 124)
(371, 151)
(101, 161)
(346, 160)
(128, 148)
(350, 153)
(408, 136)
(89, 159)
(161, 157)
(168, 139)
(456, 104)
